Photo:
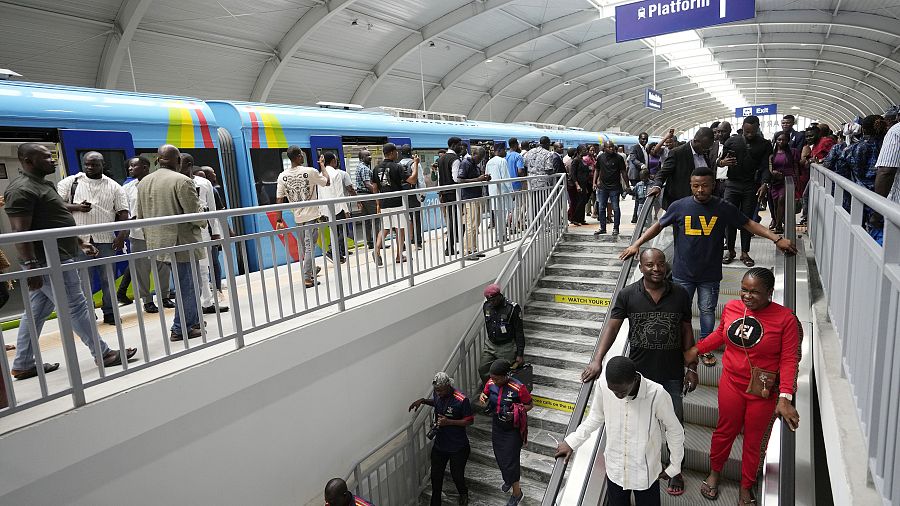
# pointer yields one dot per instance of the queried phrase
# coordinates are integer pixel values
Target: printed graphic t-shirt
(699, 231)
(300, 184)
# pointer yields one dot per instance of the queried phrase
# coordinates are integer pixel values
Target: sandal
(709, 360)
(728, 258)
(709, 492)
(676, 485)
(749, 262)
(10, 347)
(752, 499)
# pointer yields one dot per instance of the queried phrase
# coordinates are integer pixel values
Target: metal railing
(861, 281)
(258, 300)
(395, 472)
(556, 484)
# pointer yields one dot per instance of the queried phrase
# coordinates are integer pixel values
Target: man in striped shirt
(889, 159)
(95, 198)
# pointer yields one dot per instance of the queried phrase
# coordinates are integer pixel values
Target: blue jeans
(188, 299)
(42, 304)
(611, 197)
(106, 251)
(707, 298)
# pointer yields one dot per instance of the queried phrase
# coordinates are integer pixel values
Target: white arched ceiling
(832, 58)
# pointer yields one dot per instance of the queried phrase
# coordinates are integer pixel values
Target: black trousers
(743, 196)
(217, 267)
(450, 219)
(617, 496)
(369, 208)
(457, 462)
(583, 197)
(341, 237)
(415, 236)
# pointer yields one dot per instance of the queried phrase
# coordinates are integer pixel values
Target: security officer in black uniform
(506, 336)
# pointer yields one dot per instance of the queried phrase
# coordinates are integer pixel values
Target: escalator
(584, 481)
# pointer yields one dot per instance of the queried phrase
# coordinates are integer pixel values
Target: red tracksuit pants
(739, 410)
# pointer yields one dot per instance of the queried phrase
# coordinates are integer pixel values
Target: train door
(116, 148)
(321, 144)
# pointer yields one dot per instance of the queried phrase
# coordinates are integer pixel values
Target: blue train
(244, 142)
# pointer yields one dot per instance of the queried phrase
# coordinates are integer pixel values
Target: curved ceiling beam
(442, 24)
(522, 38)
(847, 19)
(593, 96)
(702, 115)
(311, 21)
(851, 43)
(835, 77)
(127, 20)
(679, 112)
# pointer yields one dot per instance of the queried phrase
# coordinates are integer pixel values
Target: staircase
(559, 340)
(701, 407)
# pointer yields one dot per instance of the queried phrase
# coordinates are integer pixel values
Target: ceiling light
(431, 44)
(489, 60)
(795, 108)
(567, 83)
(355, 22)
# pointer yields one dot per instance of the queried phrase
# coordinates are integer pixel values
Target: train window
(113, 163)
(267, 165)
(428, 157)
(351, 156)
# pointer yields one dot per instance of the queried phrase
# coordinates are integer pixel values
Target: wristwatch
(780, 237)
(789, 397)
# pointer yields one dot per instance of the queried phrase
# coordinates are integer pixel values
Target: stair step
(590, 285)
(590, 248)
(548, 420)
(622, 240)
(696, 452)
(549, 294)
(562, 359)
(583, 258)
(483, 481)
(567, 311)
(560, 341)
(701, 406)
(557, 377)
(584, 270)
(534, 465)
(540, 440)
(564, 325)
(557, 394)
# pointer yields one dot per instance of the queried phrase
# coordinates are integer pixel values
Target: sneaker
(123, 299)
(150, 307)
(329, 256)
(615, 232)
(505, 487)
(109, 319)
(514, 501)
(168, 303)
(600, 232)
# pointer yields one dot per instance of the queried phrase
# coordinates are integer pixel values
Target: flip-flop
(749, 262)
(709, 492)
(728, 258)
(673, 491)
(709, 360)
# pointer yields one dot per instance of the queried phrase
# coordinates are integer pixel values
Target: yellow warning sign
(544, 402)
(584, 301)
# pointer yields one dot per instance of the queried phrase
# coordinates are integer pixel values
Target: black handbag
(525, 374)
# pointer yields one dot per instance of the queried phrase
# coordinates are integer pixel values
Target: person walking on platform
(94, 198)
(139, 168)
(300, 184)
(698, 224)
(508, 401)
(580, 175)
(469, 173)
(637, 159)
(365, 185)
(33, 203)
(452, 414)
(759, 378)
(501, 201)
(340, 187)
(167, 192)
(337, 494)
(413, 201)
(748, 165)
(677, 166)
(448, 167)
(390, 178)
(505, 331)
(608, 184)
(659, 332)
(638, 414)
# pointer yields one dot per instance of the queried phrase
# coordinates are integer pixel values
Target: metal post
(64, 316)
(410, 232)
(232, 283)
(336, 257)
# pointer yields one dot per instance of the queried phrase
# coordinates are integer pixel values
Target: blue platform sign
(756, 110)
(653, 100)
(650, 18)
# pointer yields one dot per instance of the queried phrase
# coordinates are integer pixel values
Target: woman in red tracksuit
(760, 334)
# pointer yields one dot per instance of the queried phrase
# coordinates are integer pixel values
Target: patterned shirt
(106, 196)
(858, 162)
(836, 151)
(539, 163)
(300, 184)
(890, 157)
(363, 176)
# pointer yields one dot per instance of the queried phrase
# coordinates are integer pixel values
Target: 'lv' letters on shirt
(705, 228)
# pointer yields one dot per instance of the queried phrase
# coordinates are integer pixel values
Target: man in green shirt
(32, 203)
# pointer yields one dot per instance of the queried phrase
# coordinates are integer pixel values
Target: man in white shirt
(636, 411)
(500, 193)
(340, 187)
(300, 184)
(212, 230)
(138, 168)
(94, 198)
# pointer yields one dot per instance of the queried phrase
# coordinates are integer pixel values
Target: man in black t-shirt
(389, 177)
(452, 414)
(608, 176)
(659, 332)
(699, 223)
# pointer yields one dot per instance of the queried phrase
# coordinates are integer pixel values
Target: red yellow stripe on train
(188, 127)
(265, 130)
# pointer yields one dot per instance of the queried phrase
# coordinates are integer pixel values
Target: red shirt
(821, 149)
(772, 342)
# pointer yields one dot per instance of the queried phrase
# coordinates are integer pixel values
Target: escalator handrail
(584, 393)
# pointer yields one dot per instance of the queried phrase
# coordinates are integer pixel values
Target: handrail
(458, 364)
(559, 468)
